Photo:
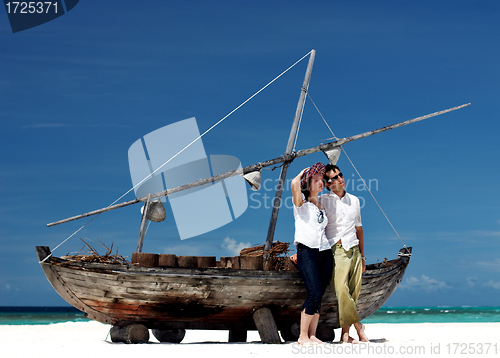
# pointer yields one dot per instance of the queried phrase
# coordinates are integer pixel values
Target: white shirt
(343, 217)
(308, 230)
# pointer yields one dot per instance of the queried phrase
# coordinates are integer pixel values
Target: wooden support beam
(264, 321)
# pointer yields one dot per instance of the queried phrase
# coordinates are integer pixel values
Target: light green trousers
(346, 282)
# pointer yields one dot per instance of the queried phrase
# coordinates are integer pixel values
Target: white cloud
(234, 247)
(423, 283)
(491, 283)
(471, 281)
(486, 233)
(492, 265)
(184, 250)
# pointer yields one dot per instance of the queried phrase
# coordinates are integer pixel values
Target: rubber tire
(291, 334)
(169, 335)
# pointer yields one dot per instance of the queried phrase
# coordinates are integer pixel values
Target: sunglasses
(321, 217)
(332, 179)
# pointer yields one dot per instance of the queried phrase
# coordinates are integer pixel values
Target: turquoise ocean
(50, 315)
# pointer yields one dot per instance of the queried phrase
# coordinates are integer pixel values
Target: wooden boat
(173, 298)
(158, 294)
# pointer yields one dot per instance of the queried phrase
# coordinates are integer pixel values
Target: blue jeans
(315, 268)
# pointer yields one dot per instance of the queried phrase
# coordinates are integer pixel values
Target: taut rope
(364, 183)
(183, 149)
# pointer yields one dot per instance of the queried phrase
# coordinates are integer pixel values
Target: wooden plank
(155, 286)
(174, 271)
(88, 276)
(228, 301)
(242, 280)
(368, 285)
(230, 298)
(232, 315)
(132, 277)
(210, 314)
(264, 321)
(150, 290)
(164, 271)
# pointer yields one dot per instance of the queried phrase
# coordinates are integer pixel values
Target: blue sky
(76, 92)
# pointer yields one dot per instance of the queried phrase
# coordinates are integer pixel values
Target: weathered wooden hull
(203, 298)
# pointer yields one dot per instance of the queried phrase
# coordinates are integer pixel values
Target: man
(345, 231)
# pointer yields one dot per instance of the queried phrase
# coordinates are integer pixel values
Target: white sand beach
(90, 339)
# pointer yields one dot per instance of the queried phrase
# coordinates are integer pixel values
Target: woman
(314, 256)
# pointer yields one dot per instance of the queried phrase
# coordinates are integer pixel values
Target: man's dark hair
(331, 167)
(327, 169)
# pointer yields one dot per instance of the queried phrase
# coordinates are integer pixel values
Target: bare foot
(316, 340)
(304, 340)
(360, 328)
(348, 339)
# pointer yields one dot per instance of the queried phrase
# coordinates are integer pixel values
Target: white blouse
(309, 230)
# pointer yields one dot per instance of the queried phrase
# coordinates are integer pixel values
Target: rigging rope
(300, 121)
(187, 146)
(364, 183)
(297, 133)
(212, 127)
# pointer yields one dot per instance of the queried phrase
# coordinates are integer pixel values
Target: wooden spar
(251, 168)
(289, 148)
(341, 142)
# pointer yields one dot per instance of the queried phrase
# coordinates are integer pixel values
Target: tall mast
(289, 147)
